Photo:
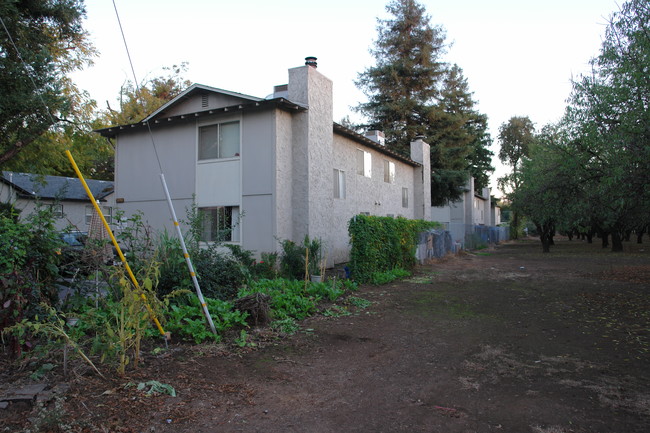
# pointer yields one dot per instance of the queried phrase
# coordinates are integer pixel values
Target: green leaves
(382, 244)
(412, 92)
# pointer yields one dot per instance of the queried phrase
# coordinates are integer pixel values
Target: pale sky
(517, 55)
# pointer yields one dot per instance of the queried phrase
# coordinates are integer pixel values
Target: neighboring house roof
(28, 185)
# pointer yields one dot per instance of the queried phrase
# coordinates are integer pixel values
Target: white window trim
(107, 211)
(366, 171)
(390, 171)
(339, 184)
(235, 224)
(212, 122)
(405, 197)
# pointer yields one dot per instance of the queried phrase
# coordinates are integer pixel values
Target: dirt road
(505, 340)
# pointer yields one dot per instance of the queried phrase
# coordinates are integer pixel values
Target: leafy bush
(267, 267)
(29, 267)
(219, 275)
(379, 278)
(292, 259)
(380, 244)
(189, 323)
(296, 299)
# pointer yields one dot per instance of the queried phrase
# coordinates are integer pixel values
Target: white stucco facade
(295, 172)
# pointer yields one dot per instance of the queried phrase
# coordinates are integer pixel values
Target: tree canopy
(40, 42)
(137, 102)
(412, 92)
(592, 170)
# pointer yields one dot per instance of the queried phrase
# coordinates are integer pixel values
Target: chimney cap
(311, 61)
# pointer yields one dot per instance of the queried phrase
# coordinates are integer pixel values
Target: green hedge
(380, 244)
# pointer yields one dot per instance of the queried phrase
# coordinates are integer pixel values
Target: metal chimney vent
(311, 61)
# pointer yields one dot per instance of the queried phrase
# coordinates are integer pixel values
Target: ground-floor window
(57, 211)
(405, 197)
(219, 224)
(106, 210)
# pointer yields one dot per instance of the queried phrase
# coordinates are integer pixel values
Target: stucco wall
(364, 194)
(283, 175)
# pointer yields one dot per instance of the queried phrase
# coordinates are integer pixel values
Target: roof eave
(280, 103)
(342, 130)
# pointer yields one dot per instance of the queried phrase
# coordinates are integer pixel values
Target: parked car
(74, 239)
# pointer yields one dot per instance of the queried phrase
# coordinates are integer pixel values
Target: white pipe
(187, 256)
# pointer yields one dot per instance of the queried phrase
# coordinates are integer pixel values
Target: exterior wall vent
(204, 100)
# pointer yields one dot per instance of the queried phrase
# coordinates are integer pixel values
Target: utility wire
(186, 255)
(29, 73)
(135, 81)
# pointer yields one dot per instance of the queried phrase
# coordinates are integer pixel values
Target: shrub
(267, 267)
(29, 267)
(379, 278)
(380, 244)
(189, 323)
(292, 260)
(219, 275)
(296, 299)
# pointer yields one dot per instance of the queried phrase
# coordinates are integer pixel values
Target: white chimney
(377, 136)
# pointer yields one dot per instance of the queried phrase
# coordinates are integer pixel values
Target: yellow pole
(115, 244)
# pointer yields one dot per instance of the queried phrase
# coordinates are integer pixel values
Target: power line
(29, 73)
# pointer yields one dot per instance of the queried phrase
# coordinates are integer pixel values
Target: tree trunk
(590, 237)
(617, 243)
(639, 238)
(514, 227)
(605, 238)
(546, 236)
(628, 233)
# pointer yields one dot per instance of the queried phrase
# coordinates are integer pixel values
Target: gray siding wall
(195, 104)
(137, 179)
(258, 182)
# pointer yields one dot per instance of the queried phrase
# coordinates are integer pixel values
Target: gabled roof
(281, 103)
(199, 88)
(28, 185)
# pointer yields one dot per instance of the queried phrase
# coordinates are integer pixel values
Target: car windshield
(74, 239)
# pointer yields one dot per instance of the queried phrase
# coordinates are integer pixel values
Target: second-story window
(364, 163)
(220, 140)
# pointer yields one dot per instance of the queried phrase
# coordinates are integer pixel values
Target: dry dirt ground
(503, 340)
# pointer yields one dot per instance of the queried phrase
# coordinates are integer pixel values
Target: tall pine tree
(402, 87)
(412, 92)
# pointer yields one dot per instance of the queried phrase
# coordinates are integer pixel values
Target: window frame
(339, 184)
(57, 210)
(390, 171)
(218, 126)
(364, 163)
(107, 211)
(230, 215)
